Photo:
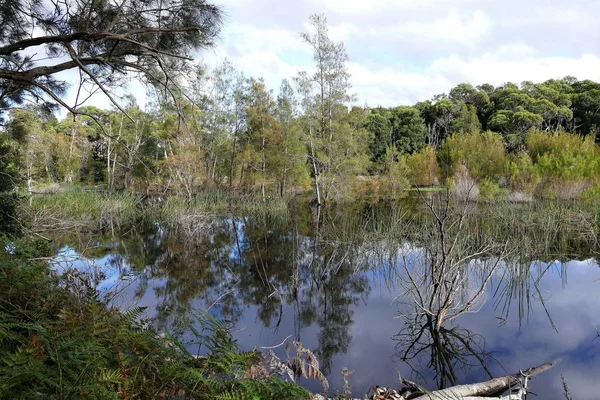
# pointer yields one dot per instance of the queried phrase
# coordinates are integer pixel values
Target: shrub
(491, 191)
(423, 169)
(483, 154)
(568, 164)
(394, 181)
(523, 176)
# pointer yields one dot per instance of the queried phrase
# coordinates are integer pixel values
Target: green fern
(57, 343)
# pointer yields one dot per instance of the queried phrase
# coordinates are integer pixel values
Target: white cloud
(403, 51)
(453, 27)
(364, 8)
(389, 86)
(495, 68)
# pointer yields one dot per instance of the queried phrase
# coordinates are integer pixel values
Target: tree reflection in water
(318, 264)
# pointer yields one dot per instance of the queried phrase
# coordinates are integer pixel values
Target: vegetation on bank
(58, 341)
(231, 133)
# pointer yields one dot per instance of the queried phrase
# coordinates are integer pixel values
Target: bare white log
(488, 388)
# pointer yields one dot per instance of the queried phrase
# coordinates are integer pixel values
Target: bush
(423, 169)
(394, 181)
(490, 191)
(9, 205)
(482, 153)
(568, 164)
(523, 176)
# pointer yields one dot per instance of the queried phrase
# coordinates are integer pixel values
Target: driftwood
(492, 388)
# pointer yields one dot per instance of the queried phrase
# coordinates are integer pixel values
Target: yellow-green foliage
(523, 176)
(490, 191)
(482, 153)
(394, 181)
(563, 155)
(423, 168)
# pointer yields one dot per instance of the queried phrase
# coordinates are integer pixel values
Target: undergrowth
(58, 341)
(79, 209)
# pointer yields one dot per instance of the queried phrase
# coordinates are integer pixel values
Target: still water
(342, 282)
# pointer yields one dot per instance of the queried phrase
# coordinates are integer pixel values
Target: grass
(85, 209)
(427, 189)
(82, 209)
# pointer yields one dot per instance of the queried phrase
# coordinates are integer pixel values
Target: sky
(404, 51)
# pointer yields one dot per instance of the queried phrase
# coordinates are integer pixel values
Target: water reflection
(343, 282)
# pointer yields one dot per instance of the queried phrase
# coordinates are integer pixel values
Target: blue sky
(403, 51)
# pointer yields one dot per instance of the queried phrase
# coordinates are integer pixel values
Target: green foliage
(568, 164)
(482, 153)
(378, 123)
(408, 134)
(394, 182)
(522, 175)
(423, 168)
(59, 341)
(490, 191)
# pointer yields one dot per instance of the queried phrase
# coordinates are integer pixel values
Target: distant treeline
(230, 131)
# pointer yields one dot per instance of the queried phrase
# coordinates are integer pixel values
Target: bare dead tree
(443, 280)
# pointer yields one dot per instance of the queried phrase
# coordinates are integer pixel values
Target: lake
(512, 287)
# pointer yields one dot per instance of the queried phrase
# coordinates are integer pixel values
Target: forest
(230, 132)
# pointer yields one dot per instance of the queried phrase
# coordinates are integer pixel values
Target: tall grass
(176, 211)
(82, 209)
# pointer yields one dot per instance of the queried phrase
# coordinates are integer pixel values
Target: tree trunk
(315, 169)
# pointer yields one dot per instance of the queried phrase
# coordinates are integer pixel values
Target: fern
(63, 343)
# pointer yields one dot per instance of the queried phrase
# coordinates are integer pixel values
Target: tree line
(229, 131)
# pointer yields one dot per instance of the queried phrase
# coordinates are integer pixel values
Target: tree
(263, 138)
(477, 98)
(293, 159)
(408, 132)
(105, 41)
(329, 85)
(379, 125)
(35, 133)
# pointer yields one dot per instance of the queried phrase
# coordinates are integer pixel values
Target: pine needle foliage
(58, 344)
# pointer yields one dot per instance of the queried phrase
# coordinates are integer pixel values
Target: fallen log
(492, 388)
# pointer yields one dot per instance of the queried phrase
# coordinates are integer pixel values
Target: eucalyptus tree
(380, 125)
(325, 95)
(263, 137)
(228, 98)
(293, 159)
(408, 129)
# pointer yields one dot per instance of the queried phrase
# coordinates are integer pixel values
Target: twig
(274, 347)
